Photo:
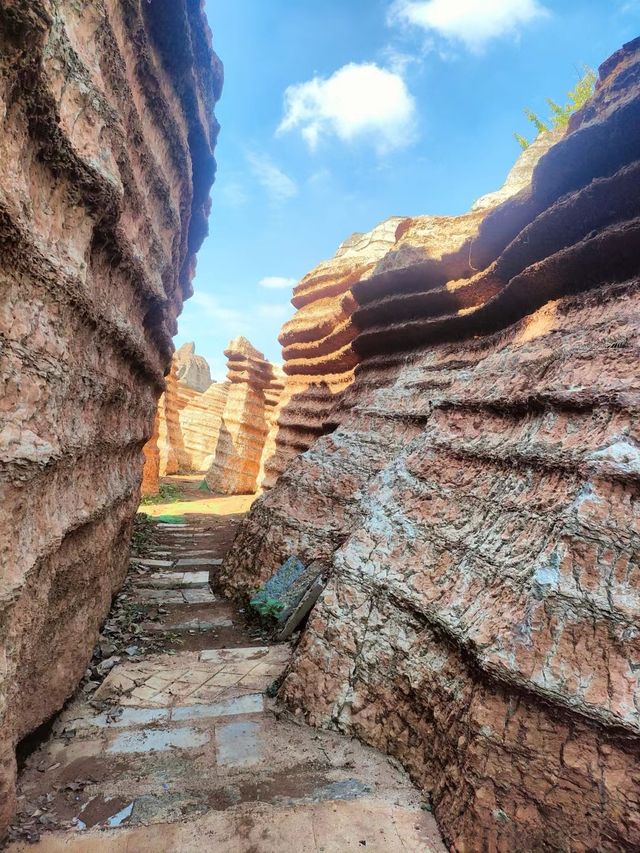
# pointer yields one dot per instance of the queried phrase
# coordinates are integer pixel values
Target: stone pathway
(182, 750)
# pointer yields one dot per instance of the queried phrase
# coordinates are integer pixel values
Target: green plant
(560, 115)
(270, 608)
(167, 494)
(265, 605)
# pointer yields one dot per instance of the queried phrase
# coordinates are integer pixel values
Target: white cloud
(208, 307)
(356, 102)
(280, 187)
(232, 194)
(473, 22)
(277, 282)
(275, 312)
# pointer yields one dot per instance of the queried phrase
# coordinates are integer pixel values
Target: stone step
(250, 703)
(147, 595)
(194, 677)
(175, 580)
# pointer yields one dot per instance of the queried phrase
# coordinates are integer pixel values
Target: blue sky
(340, 113)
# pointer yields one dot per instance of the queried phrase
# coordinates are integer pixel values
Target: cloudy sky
(340, 113)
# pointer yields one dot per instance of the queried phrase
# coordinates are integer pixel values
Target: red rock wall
(106, 163)
(200, 418)
(478, 509)
(188, 430)
(170, 443)
(151, 471)
(255, 386)
(317, 348)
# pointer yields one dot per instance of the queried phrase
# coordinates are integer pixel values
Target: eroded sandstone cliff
(255, 386)
(477, 507)
(107, 162)
(192, 370)
(317, 348)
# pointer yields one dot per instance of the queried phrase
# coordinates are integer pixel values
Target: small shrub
(167, 494)
(560, 115)
(267, 607)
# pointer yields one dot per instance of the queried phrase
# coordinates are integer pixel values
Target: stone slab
(252, 703)
(157, 740)
(346, 826)
(194, 678)
(303, 609)
(177, 580)
(286, 588)
(238, 744)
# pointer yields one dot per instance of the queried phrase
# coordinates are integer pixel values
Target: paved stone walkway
(182, 750)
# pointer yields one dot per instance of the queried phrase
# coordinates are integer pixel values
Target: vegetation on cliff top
(560, 115)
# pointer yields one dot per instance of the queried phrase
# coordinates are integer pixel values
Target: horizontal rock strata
(478, 507)
(188, 429)
(200, 417)
(106, 160)
(317, 347)
(255, 386)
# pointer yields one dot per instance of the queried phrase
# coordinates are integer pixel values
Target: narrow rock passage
(181, 749)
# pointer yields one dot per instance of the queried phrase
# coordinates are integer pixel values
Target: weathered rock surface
(200, 418)
(478, 506)
(187, 432)
(151, 471)
(192, 370)
(255, 386)
(170, 443)
(317, 348)
(106, 160)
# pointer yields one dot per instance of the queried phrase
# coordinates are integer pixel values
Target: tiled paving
(182, 751)
(194, 677)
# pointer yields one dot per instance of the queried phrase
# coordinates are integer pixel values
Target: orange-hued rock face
(318, 356)
(253, 393)
(151, 471)
(478, 505)
(188, 429)
(106, 159)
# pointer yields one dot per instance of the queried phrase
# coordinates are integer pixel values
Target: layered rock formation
(170, 443)
(192, 370)
(200, 420)
(151, 471)
(255, 386)
(187, 430)
(317, 348)
(106, 159)
(477, 507)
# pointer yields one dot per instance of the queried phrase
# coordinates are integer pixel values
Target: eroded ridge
(107, 158)
(317, 348)
(477, 507)
(255, 386)
(180, 748)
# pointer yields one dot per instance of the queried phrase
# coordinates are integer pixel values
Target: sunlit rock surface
(106, 162)
(253, 393)
(478, 506)
(192, 370)
(317, 348)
